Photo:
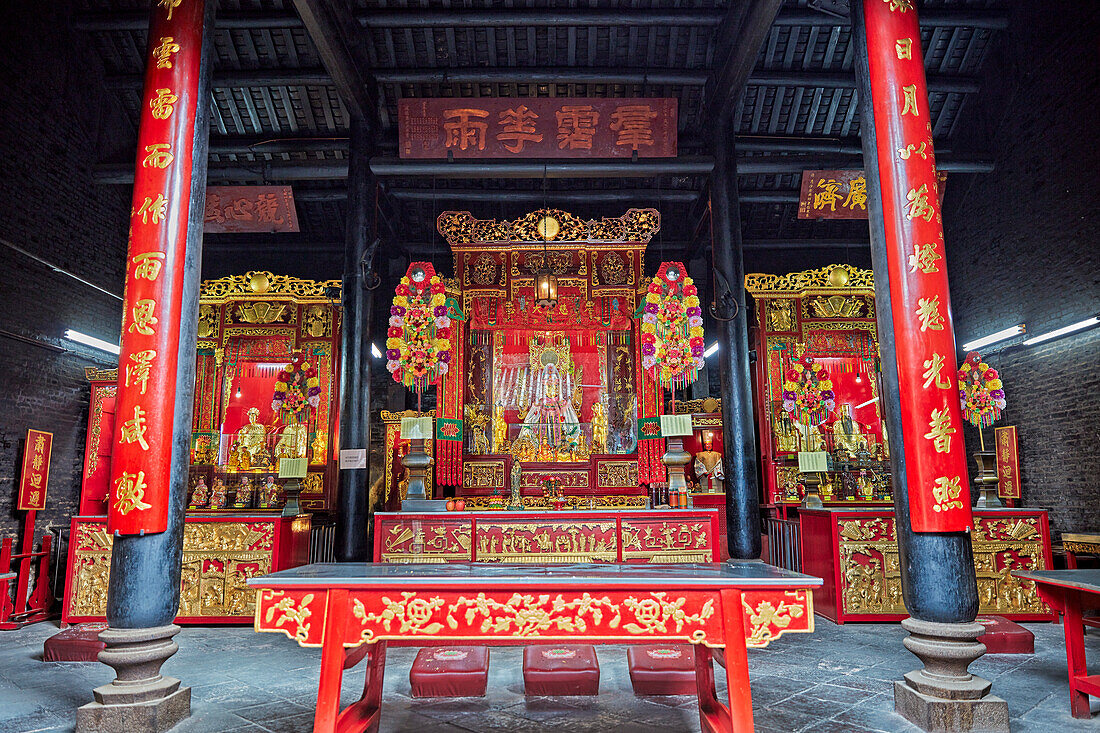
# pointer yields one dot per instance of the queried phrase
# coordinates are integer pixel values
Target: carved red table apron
(340, 606)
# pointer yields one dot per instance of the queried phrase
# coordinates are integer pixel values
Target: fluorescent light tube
(864, 404)
(1062, 331)
(710, 349)
(994, 338)
(375, 352)
(83, 338)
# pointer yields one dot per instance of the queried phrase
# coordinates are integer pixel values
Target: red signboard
(36, 471)
(235, 209)
(840, 194)
(935, 457)
(1008, 463)
(141, 460)
(833, 195)
(562, 127)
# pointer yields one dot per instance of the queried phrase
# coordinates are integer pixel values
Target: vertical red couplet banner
(935, 457)
(152, 302)
(36, 471)
(1008, 462)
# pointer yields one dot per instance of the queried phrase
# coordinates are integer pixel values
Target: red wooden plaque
(833, 195)
(537, 128)
(238, 209)
(1008, 463)
(36, 471)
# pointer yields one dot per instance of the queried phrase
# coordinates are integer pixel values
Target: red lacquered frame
(290, 548)
(383, 521)
(820, 537)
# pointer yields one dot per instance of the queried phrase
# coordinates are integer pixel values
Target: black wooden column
(937, 569)
(353, 518)
(739, 441)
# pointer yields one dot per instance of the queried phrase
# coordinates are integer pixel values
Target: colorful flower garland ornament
(297, 390)
(418, 347)
(807, 391)
(672, 327)
(981, 392)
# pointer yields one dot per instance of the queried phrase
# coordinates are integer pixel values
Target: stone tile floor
(837, 679)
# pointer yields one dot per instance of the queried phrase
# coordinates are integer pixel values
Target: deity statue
(847, 434)
(551, 417)
(708, 464)
(810, 438)
(251, 442)
(270, 494)
(599, 428)
(292, 441)
(500, 430)
(217, 494)
(477, 421)
(244, 494)
(786, 433)
(515, 501)
(200, 494)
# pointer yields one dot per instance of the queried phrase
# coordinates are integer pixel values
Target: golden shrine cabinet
(825, 318)
(250, 329)
(559, 388)
(855, 551)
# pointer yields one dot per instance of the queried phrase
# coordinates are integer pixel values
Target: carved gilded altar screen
(827, 314)
(250, 328)
(559, 383)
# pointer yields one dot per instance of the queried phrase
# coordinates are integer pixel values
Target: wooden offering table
(1067, 591)
(628, 535)
(339, 606)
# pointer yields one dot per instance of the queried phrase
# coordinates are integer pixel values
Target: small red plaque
(236, 209)
(36, 471)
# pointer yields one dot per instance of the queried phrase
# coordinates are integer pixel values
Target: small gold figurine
(200, 494)
(217, 494)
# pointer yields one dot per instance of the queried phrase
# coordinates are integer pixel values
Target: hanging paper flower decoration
(297, 390)
(808, 392)
(981, 392)
(672, 327)
(418, 346)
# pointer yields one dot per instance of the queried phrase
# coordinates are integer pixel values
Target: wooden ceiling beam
(339, 41)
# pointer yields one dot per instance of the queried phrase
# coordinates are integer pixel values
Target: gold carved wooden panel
(218, 559)
(871, 572)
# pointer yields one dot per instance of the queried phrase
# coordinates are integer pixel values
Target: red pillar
(931, 420)
(153, 299)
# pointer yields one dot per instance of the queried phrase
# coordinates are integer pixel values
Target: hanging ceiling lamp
(546, 282)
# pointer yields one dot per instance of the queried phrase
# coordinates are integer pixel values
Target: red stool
(1005, 637)
(450, 671)
(561, 670)
(78, 643)
(662, 669)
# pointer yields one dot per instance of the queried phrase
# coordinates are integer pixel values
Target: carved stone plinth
(140, 699)
(417, 462)
(675, 458)
(987, 480)
(944, 696)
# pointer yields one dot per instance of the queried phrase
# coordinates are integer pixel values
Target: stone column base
(140, 699)
(939, 715)
(944, 697)
(139, 717)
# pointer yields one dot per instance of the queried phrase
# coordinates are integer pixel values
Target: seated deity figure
(251, 440)
(551, 417)
(847, 433)
(708, 466)
(292, 441)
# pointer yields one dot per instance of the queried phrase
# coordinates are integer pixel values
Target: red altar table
(1066, 591)
(340, 606)
(630, 536)
(856, 552)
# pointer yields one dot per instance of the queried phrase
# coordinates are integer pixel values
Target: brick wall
(55, 121)
(1023, 248)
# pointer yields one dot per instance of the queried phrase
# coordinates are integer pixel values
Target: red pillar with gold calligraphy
(924, 341)
(920, 391)
(153, 299)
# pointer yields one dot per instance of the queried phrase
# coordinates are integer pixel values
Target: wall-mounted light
(1079, 326)
(864, 404)
(375, 352)
(994, 337)
(83, 338)
(713, 348)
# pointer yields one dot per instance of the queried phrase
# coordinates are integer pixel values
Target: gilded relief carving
(617, 474)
